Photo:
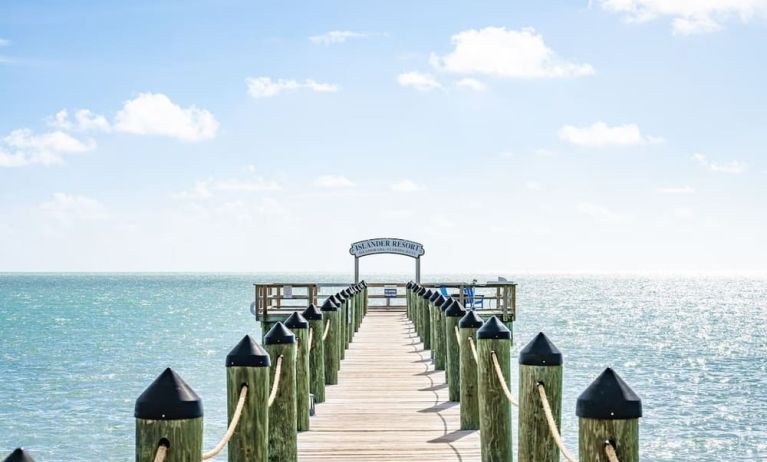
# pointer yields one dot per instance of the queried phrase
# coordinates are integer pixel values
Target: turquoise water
(77, 350)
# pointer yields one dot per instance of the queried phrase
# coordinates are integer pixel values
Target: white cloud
(683, 213)
(69, 207)
(156, 114)
(677, 190)
(333, 182)
(29, 148)
(259, 184)
(734, 166)
(533, 185)
(472, 84)
(264, 87)
(601, 135)
(84, 120)
(602, 214)
(200, 190)
(688, 16)
(507, 53)
(336, 36)
(419, 81)
(406, 186)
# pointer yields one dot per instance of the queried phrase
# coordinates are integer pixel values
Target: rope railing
(162, 451)
(473, 349)
(311, 335)
(232, 425)
(502, 380)
(553, 425)
(612, 456)
(327, 330)
(457, 335)
(276, 384)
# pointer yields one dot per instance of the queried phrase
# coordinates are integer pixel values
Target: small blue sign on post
(390, 292)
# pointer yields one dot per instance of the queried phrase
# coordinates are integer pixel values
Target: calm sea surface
(76, 351)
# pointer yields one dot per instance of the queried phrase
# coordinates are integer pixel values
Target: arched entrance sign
(387, 245)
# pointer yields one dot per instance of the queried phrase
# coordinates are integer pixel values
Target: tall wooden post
(419, 315)
(365, 299)
(426, 314)
(608, 411)
(300, 328)
(248, 365)
(316, 353)
(408, 292)
(452, 315)
(494, 406)
(350, 317)
(169, 413)
(540, 363)
(437, 332)
(343, 298)
(468, 326)
(19, 455)
(283, 441)
(330, 343)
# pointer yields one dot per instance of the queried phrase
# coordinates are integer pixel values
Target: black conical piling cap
(434, 296)
(455, 310)
(347, 293)
(168, 398)
(409, 285)
(439, 301)
(421, 291)
(493, 328)
(312, 313)
(296, 321)
(540, 352)
(248, 353)
(448, 303)
(470, 321)
(427, 295)
(19, 455)
(609, 398)
(279, 334)
(329, 305)
(364, 284)
(340, 297)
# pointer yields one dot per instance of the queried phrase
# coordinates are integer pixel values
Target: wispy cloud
(419, 81)
(600, 134)
(4, 42)
(733, 167)
(333, 182)
(156, 114)
(506, 53)
(204, 189)
(264, 87)
(334, 37)
(82, 121)
(471, 84)
(676, 190)
(23, 147)
(68, 208)
(602, 214)
(406, 186)
(533, 185)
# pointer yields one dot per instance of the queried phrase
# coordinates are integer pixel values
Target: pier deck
(389, 405)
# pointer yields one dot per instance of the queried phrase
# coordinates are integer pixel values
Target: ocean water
(76, 350)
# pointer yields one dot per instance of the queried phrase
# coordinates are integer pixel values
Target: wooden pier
(390, 403)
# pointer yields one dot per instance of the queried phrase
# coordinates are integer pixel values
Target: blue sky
(616, 135)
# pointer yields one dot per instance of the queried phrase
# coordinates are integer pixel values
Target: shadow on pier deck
(390, 403)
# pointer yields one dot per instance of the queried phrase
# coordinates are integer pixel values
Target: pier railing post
(408, 292)
(343, 299)
(169, 413)
(540, 364)
(437, 331)
(609, 413)
(425, 319)
(329, 335)
(418, 311)
(352, 310)
(364, 299)
(19, 455)
(248, 365)
(467, 327)
(494, 338)
(283, 441)
(300, 328)
(316, 353)
(452, 315)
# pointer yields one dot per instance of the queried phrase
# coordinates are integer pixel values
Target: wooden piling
(494, 406)
(169, 413)
(248, 365)
(437, 331)
(352, 309)
(283, 442)
(425, 319)
(452, 315)
(343, 298)
(300, 328)
(608, 411)
(316, 353)
(19, 455)
(540, 362)
(330, 344)
(469, 397)
(418, 311)
(408, 293)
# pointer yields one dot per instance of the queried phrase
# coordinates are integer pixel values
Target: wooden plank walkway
(389, 405)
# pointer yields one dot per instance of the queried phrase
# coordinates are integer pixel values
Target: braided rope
(232, 426)
(277, 370)
(457, 335)
(501, 379)
(327, 330)
(610, 451)
(162, 451)
(311, 335)
(473, 349)
(553, 425)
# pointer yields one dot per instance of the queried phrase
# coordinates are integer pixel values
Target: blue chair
(473, 300)
(443, 291)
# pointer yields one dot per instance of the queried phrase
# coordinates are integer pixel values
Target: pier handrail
(612, 456)
(504, 386)
(232, 425)
(553, 425)
(276, 384)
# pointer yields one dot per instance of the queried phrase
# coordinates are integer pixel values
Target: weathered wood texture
(282, 413)
(438, 335)
(250, 440)
(535, 441)
(624, 434)
(390, 404)
(302, 378)
(469, 392)
(494, 407)
(317, 361)
(332, 350)
(184, 436)
(453, 357)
